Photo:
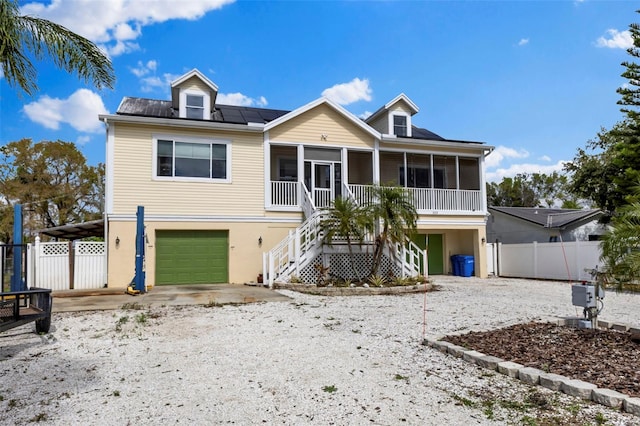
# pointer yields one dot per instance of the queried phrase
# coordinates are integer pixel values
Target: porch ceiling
(76, 231)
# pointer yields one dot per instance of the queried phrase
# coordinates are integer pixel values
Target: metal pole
(16, 279)
(139, 280)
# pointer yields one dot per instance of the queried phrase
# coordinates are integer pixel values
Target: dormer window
(400, 125)
(195, 106)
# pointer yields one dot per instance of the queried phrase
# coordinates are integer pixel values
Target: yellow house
(233, 192)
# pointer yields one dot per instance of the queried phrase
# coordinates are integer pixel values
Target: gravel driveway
(311, 360)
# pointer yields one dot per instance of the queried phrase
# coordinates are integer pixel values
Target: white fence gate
(568, 261)
(68, 265)
(492, 258)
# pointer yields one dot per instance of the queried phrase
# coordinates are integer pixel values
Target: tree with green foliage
(346, 220)
(595, 170)
(52, 180)
(609, 168)
(531, 190)
(25, 36)
(396, 215)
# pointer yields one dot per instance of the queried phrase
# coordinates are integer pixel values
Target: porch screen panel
(284, 163)
(469, 173)
(418, 171)
(320, 154)
(391, 166)
(360, 168)
(444, 172)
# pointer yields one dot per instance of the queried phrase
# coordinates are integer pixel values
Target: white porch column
(376, 162)
(267, 171)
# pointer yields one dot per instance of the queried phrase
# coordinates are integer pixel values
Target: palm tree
(620, 247)
(395, 211)
(21, 36)
(346, 219)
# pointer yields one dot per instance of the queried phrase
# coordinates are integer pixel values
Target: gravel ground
(312, 360)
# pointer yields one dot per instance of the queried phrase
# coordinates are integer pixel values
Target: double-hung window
(185, 159)
(195, 106)
(400, 125)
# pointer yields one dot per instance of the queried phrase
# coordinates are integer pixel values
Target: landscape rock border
(534, 376)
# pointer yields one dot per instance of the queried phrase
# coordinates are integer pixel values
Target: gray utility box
(584, 295)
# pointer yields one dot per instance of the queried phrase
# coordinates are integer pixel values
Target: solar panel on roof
(232, 115)
(252, 116)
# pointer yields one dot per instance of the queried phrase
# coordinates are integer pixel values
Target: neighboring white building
(512, 225)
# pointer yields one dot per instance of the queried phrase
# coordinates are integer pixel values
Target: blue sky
(535, 79)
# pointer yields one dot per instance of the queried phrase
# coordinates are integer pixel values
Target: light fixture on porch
(117, 241)
(324, 136)
(260, 241)
(484, 240)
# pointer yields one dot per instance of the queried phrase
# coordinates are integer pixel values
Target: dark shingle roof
(143, 107)
(419, 133)
(222, 113)
(552, 218)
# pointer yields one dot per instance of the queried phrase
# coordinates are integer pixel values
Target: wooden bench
(22, 307)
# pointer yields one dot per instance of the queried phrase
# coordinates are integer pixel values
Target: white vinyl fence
(67, 265)
(568, 261)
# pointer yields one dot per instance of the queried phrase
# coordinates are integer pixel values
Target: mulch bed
(607, 358)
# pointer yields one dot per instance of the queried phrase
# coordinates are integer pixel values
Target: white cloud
(83, 140)
(348, 93)
(151, 83)
(616, 40)
(545, 158)
(523, 41)
(113, 24)
(514, 169)
(502, 152)
(143, 69)
(80, 111)
(365, 115)
(240, 100)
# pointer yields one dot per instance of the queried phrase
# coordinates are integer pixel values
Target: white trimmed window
(400, 125)
(194, 104)
(193, 159)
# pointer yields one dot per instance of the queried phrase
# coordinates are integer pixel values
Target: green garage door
(192, 257)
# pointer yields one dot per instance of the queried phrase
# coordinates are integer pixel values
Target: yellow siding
(245, 254)
(194, 83)
(133, 182)
(400, 106)
(309, 126)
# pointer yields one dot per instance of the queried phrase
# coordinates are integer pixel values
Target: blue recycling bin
(466, 265)
(455, 265)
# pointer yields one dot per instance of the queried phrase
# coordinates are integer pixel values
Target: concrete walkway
(175, 295)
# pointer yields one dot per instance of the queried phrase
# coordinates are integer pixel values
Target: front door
(435, 259)
(323, 181)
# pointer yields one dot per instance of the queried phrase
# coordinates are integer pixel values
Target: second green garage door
(192, 257)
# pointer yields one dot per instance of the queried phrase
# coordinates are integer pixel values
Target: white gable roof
(392, 102)
(194, 73)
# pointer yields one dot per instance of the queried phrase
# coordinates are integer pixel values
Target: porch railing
(431, 199)
(284, 194)
(298, 246)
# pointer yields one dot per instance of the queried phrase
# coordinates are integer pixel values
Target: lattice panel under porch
(340, 266)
